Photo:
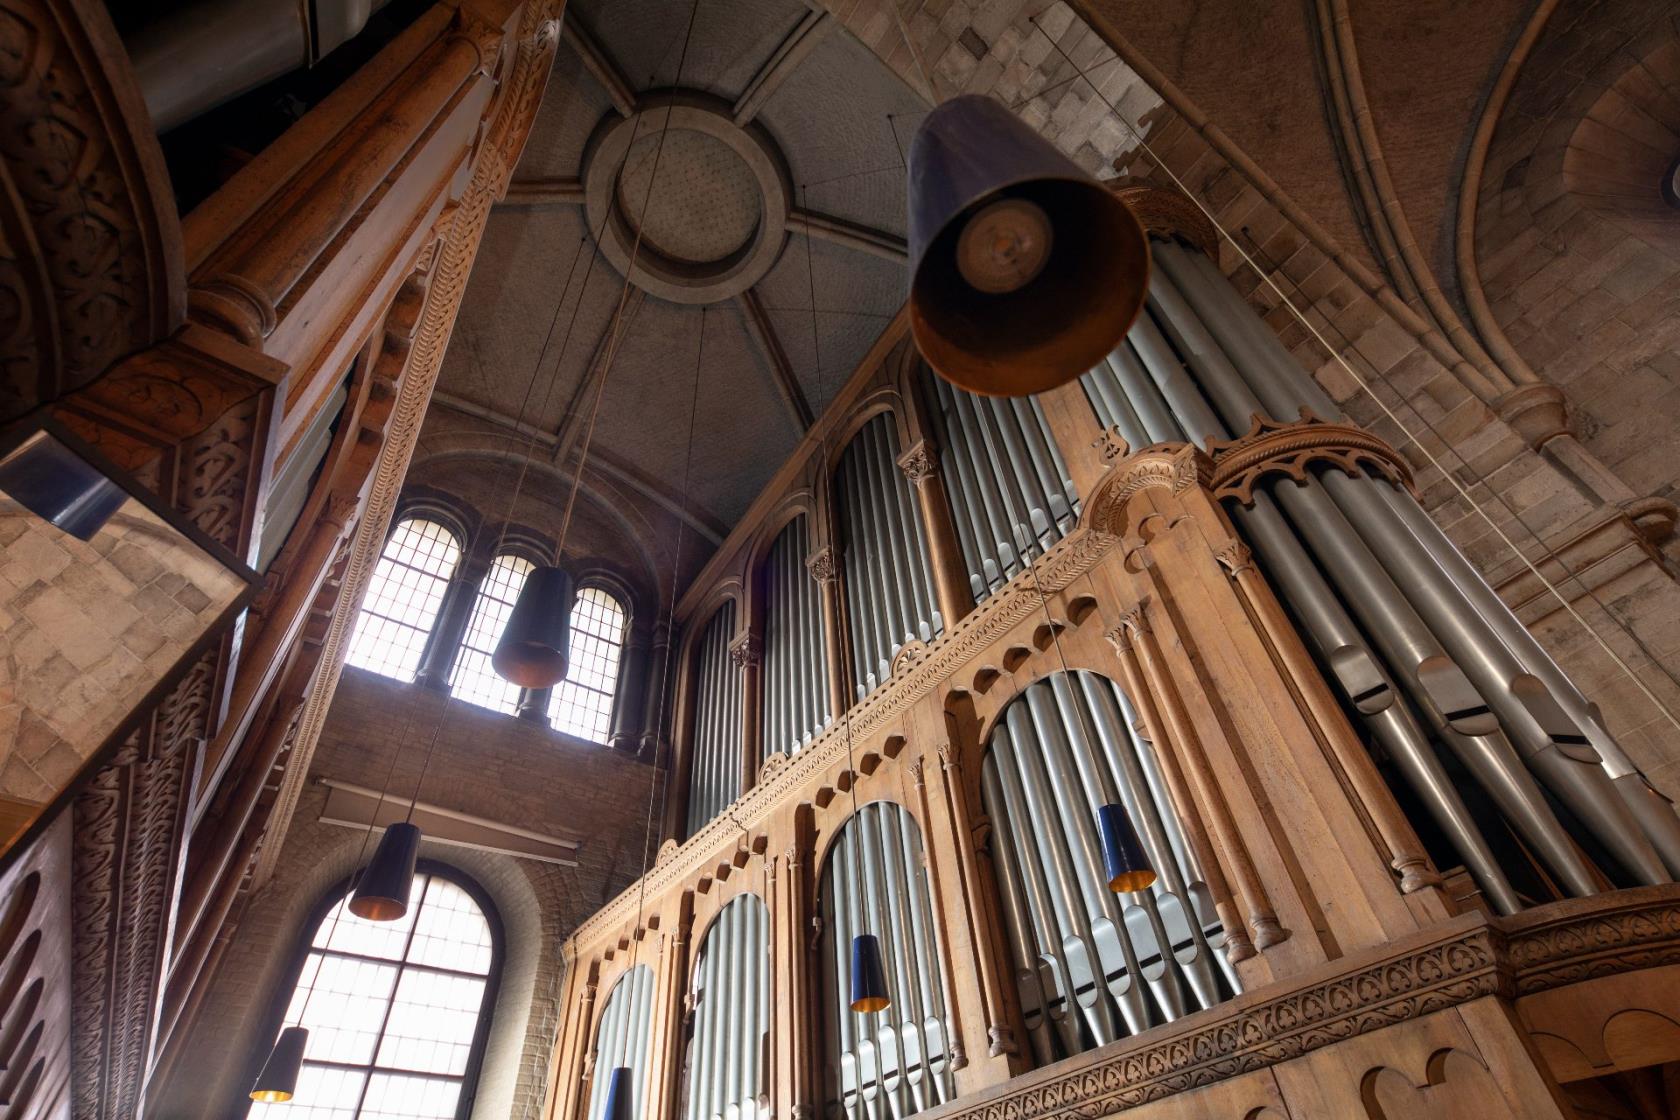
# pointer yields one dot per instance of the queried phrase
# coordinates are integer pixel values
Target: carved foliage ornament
(1274, 447)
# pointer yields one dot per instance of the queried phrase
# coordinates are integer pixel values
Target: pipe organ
(727, 1057)
(895, 1062)
(1092, 966)
(1383, 821)
(889, 586)
(795, 699)
(716, 772)
(621, 1040)
(1009, 490)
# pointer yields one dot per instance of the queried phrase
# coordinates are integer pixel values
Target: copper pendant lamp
(279, 1077)
(535, 648)
(382, 889)
(1124, 861)
(1024, 270)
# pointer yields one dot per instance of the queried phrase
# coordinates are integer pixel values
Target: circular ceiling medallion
(717, 217)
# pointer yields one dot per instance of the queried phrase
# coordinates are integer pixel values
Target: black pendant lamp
(279, 1077)
(869, 976)
(57, 485)
(381, 893)
(536, 643)
(1024, 270)
(1124, 860)
(621, 1095)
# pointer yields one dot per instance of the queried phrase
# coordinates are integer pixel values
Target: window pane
(473, 680)
(322, 1094)
(403, 598)
(398, 1097)
(346, 1009)
(432, 1023)
(583, 703)
(452, 932)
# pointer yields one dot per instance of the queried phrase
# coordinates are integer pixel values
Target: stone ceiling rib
(811, 30)
(600, 65)
(787, 383)
(865, 239)
(544, 192)
(576, 417)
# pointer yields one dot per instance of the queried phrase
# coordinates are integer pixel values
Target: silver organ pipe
(727, 1077)
(715, 768)
(1092, 966)
(795, 668)
(1011, 497)
(894, 1063)
(889, 587)
(622, 1039)
(1451, 686)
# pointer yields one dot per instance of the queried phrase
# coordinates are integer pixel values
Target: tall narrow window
(583, 702)
(474, 680)
(399, 1010)
(403, 598)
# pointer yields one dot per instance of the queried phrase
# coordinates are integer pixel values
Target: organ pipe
(1092, 966)
(889, 586)
(715, 770)
(1011, 497)
(727, 1075)
(795, 668)
(622, 1039)
(894, 1063)
(1421, 648)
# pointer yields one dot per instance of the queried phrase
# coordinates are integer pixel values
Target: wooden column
(824, 567)
(748, 658)
(950, 572)
(670, 992)
(1086, 449)
(796, 1038)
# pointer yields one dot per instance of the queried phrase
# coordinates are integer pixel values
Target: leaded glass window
(403, 598)
(474, 680)
(583, 702)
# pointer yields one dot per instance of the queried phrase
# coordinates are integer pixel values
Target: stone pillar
(533, 705)
(626, 726)
(825, 569)
(950, 573)
(656, 705)
(438, 658)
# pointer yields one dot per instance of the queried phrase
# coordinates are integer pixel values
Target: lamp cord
(1366, 387)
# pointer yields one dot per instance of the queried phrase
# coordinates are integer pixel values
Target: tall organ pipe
(795, 676)
(1083, 956)
(731, 997)
(889, 588)
(1011, 494)
(890, 1064)
(715, 769)
(621, 1039)
(1558, 733)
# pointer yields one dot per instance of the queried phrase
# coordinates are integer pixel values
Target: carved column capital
(918, 771)
(1235, 557)
(1111, 445)
(746, 653)
(822, 565)
(918, 462)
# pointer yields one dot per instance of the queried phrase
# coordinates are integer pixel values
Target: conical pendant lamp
(536, 643)
(1124, 860)
(1024, 270)
(869, 976)
(621, 1096)
(381, 893)
(279, 1077)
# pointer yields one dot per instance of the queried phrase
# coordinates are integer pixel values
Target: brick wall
(489, 765)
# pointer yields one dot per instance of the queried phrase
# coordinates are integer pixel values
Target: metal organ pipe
(1091, 966)
(1012, 497)
(795, 674)
(715, 771)
(890, 1064)
(889, 588)
(621, 1039)
(732, 1015)
(1557, 732)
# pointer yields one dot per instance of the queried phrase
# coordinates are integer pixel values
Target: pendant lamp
(621, 1096)
(536, 643)
(869, 977)
(1024, 270)
(381, 893)
(279, 1077)
(1124, 860)
(55, 484)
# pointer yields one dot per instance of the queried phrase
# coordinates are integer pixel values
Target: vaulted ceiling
(763, 122)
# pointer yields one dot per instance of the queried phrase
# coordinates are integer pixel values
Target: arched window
(583, 702)
(399, 1011)
(473, 679)
(403, 598)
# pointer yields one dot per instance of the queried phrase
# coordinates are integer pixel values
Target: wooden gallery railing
(1027, 619)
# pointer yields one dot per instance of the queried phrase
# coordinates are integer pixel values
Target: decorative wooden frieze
(1171, 213)
(1273, 447)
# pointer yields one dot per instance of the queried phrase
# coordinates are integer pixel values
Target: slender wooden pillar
(1086, 449)
(825, 569)
(950, 572)
(748, 657)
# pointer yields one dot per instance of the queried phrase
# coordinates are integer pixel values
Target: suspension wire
(1366, 387)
